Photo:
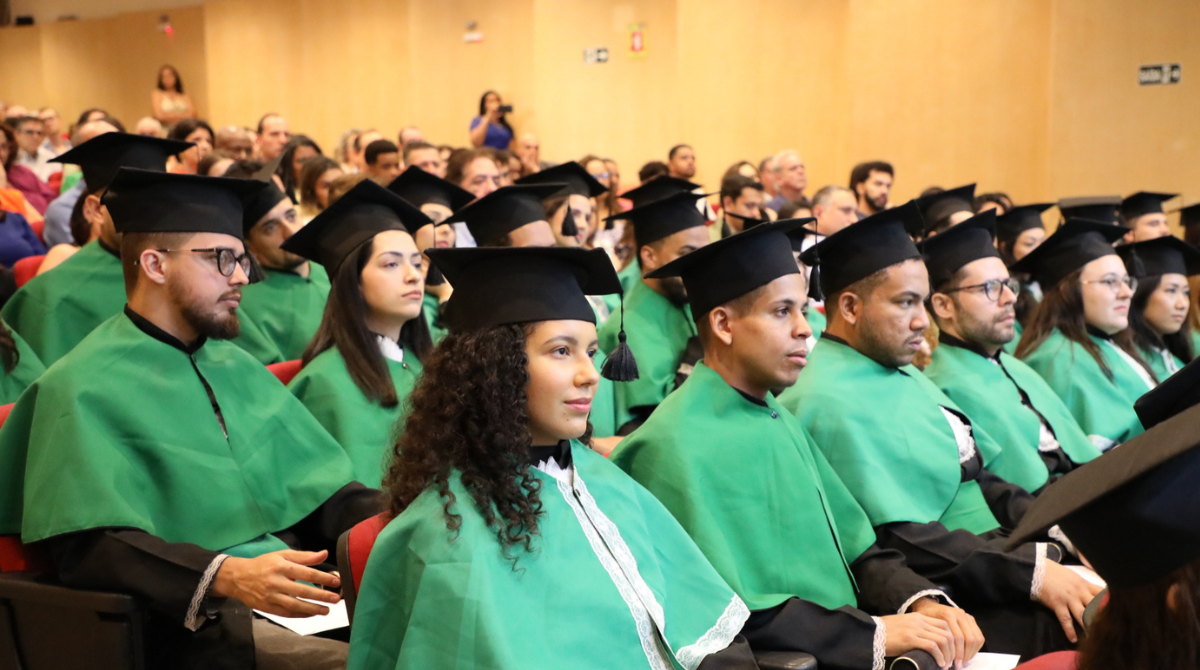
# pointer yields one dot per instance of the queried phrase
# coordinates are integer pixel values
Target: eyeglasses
(992, 288)
(227, 260)
(1114, 283)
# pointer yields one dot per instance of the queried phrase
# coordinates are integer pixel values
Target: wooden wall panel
(21, 79)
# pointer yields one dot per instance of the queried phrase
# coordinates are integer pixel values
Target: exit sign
(1167, 73)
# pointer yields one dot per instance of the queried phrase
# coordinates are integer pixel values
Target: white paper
(1089, 574)
(312, 625)
(985, 661)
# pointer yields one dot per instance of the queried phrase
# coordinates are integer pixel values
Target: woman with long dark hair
(491, 128)
(1078, 338)
(511, 544)
(291, 163)
(1158, 314)
(168, 100)
(366, 356)
(317, 173)
(199, 133)
(1018, 232)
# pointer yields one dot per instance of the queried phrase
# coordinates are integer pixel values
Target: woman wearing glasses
(1078, 337)
(1158, 314)
(973, 303)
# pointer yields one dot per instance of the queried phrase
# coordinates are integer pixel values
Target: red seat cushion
(359, 545)
(1059, 660)
(285, 371)
(26, 269)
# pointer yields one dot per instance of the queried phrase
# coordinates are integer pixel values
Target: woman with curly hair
(511, 544)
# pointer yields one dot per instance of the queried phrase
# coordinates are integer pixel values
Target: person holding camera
(490, 128)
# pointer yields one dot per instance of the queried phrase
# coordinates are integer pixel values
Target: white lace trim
(389, 348)
(1132, 362)
(962, 436)
(936, 593)
(1102, 443)
(1039, 573)
(193, 619)
(879, 646)
(718, 637)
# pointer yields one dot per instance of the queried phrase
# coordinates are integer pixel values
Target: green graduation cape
(56, 310)
(281, 314)
(752, 490)
(1103, 407)
(28, 368)
(886, 437)
(817, 321)
(364, 428)
(606, 553)
(630, 275)
(657, 332)
(429, 305)
(990, 395)
(121, 433)
(1157, 360)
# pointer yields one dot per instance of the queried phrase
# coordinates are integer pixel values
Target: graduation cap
(504, 210)
(1172, 396)
(499, 286)
(749, 222)
(969, 241)
(420, 188)
(1134, 512)
(148, 201)
(578, 181)
(1190, 215)
(1144, 202)
(1160, 256)
(657, 219)
(262, 203)
(358, 216)
(736, 265)
(937, 207)
(860, 250)
(100, 157)
(1102, 208)
(658, 188)
(269, 169)
(1075, 244)
(1017, 220)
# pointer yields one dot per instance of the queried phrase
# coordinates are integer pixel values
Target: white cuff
(879, 647)
(1056, 533)
(1039, 573)
(933, 593)
(194, 618)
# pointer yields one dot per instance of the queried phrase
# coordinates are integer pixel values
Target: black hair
(862, 172)
(178, 79)
(675, 149)
(378, 147)
(483, 109)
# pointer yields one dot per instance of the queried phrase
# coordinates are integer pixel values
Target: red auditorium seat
(285, 371)
(26, 269)
(1059, 660)
(39, 227)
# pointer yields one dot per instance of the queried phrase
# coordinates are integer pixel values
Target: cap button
(774, 414)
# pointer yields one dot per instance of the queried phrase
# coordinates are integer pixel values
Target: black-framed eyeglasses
(992, 288)
(1114, 283)
(227, 260)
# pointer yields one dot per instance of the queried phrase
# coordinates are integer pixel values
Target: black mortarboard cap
(1134, 512)
(362, 213)
(578, 181)
(860, 250)
(504, 210)
(148, 201)
(749, 222)
(420, 188)
(1102, 208)
(1075, 244)
(937, 207)
(1172, 396)
(269, 168)
(1017, 220)
(1190, 215)
(1144, 202)
(262, 203)
(1160, 256)
(660, 218)
(657, 189)
(734, 266)
(969, 241)
(100, 157)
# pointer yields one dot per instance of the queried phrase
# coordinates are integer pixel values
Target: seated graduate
(973, 304)
(942, 210)
(437, 199)
(1135, 514)
(56, 310)
(366, 356)
(575, 199)
(513, 545)
(913, 460)
(282, 309)
(1019, 231)
(1078, 338)
(745, 481)
(657, 188)
(510, 216)
(157, 460)
(1158, 312)
(657, 320)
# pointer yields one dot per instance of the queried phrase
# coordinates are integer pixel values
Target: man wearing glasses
(973, 305)
(31, 133)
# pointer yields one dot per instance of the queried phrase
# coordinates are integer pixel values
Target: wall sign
(595, 56)
(637, 40)
(1167, 73)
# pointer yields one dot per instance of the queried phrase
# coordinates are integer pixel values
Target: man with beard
(159, 461)
(281, 311)
(911, 457)
(973, 304)
(658, 323)
(871, 183)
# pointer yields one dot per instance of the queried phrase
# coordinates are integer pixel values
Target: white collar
(389, 348)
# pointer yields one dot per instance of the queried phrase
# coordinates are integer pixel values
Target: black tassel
(434, 277)
(569, 229)
(621, 366)
(256, 273)
(814, 284)
(1136, 269)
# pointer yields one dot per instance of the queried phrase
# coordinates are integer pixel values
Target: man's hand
(905, 632)
(271, 582)
(968, 639)
(1067, 594)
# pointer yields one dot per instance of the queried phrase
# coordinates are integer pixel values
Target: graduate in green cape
(1158, 311)
(1078, 338)
(158, 460)
(910, 456)
(366, 355)
(1145, 217)
(19, 365)
(760, 500)
(56, 310)
(657, 320)
(973, 304)
(438, 199)
(512, 544)
(942, 210)
(1019, 231)
(283, 307)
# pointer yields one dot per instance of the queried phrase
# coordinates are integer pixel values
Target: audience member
(170, 104)
(741, 202)
(35, 191)
(299, 149)
(212, 165)
(871, 183)
(425, 156)
(382, 162)
(491, 127)
(651, 170)
(529, 150)
(148, 126)
(235, 142)
(681, 161)
(56, 140)
(194, 131)
(791, 181)
(344, 151)
(834, 208)
(768, 174)
(273, 136)
(1144, 216)
(996, 200)
(32, 152)
(409, 134)
(315, 178)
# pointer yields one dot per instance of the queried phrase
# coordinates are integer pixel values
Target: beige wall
(1035, 97)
